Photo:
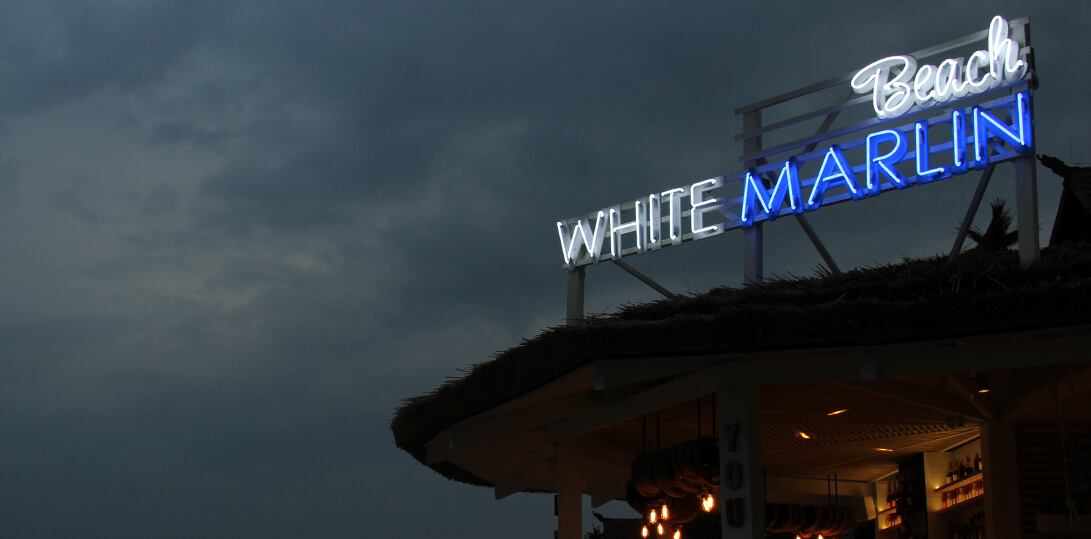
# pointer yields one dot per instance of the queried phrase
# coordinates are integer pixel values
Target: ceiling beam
(917, 395)
(1024, 349)
(984, 402)
(901, 450)
(518, 444)
(472, 433)
(800, 485)
(615, 373)
(606, 454)
(536, 470)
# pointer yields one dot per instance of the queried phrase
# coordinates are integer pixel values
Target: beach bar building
(940, 397)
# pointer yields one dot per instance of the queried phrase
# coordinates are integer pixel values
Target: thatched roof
(915, 300)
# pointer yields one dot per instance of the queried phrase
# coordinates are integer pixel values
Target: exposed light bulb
(677, 534)
(651, 516)
(644, 531)
(660, 528)
(664, 512)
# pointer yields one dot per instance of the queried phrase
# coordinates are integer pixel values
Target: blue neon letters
(582, 240)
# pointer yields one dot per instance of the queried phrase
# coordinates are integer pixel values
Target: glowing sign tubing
(593, 245)
(582, 239)
(835, 169)
(883, 165)
(700, 206)
(897, 83)
(617, 228)
(1020, 139)
(787, 185)
(924, 173)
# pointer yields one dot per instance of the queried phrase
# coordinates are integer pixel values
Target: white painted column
(569, 490)
(1000, 481)
(742, 493)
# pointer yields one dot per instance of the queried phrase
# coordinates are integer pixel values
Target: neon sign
(882, 158)
(953, 78)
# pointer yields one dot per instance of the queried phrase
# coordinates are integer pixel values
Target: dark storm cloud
(55, 52)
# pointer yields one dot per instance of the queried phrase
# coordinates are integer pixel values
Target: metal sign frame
(584, 243)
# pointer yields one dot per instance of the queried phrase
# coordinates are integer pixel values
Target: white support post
(569, 489)
(753, 254)
(753, 239)
(742, 492)
(574, 310)
(1026, 209)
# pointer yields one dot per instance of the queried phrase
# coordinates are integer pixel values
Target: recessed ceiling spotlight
(982, 382)
(883, 449)
(838, 412)
(803, 435)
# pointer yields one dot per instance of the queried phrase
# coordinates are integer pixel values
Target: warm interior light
(664, 512)
(644, 531)
(804, 435)
(838, 412)
(660, 528)
(708, 502)
(651, 516)
(677, 534)
(883, 449)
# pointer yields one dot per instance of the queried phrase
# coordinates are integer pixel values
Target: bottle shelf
(973, 502)
(968, 491)
(960, 483)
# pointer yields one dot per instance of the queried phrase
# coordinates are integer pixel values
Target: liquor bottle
(969, 467)
(961, 471)
(977, 462)
(950, 473)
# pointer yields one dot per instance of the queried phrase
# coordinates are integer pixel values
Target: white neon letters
(897, 84)
(890, 97)
(617, 228)
(701, 205)
(593, 244)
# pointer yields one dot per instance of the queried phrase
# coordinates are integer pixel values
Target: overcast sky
(235, 235)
